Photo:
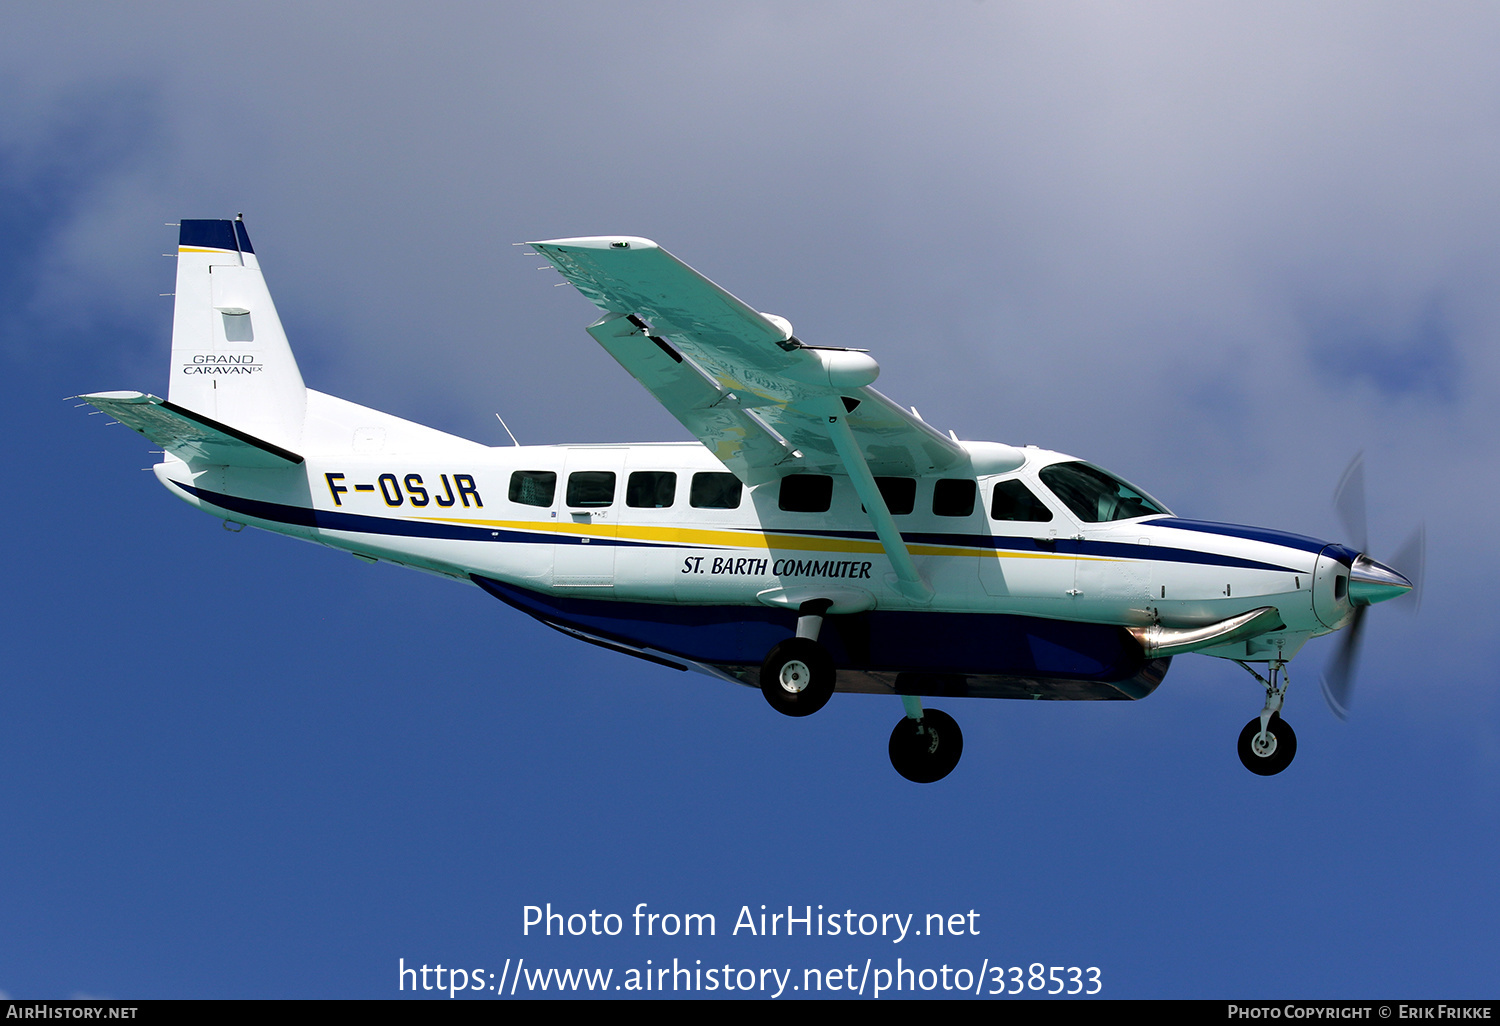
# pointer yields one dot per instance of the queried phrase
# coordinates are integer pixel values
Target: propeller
(1369, 582)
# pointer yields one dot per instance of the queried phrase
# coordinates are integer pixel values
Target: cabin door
(584, 550)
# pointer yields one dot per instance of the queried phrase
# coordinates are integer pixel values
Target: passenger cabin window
(899, 493)
(1012, 500)
(806, 493)
(533, 487)
(715, 491)
(954, 497)
(1095, 496)
(591, 488)
(651, 489)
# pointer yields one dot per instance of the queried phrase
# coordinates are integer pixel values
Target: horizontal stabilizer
(189, 436)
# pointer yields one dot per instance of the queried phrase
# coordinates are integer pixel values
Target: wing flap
(190, 436)
(736, 437)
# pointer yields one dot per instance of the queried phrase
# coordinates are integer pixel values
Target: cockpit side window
(1012, 500)
(1095, 496)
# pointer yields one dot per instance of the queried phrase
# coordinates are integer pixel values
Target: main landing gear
(1267, 745)
(798, 678)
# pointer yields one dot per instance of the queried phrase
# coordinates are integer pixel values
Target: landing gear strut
(926, 746)
(797, 676)
(1267, 745)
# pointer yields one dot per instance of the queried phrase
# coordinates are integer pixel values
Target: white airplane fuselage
(438, 503)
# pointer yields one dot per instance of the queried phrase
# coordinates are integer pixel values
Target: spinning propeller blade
(1338, 675)
(1411, 560)
(1349, 502)
(1369, 582)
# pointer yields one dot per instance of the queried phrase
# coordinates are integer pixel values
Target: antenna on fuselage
(508, 431)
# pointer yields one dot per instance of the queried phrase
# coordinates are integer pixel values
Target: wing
(745, 387)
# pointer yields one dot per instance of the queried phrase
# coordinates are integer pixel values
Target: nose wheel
(1267, 745)
(926, 750)
(1269, 751)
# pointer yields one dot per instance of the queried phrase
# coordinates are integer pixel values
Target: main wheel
(926, 750)
(797, 677)
(1272, 756)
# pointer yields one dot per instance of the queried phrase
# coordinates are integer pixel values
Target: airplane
(816, 537)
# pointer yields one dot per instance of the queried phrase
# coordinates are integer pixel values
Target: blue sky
(1217, 253)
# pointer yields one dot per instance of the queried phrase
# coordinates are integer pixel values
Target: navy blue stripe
(243, 236)
(1164, 554)
(1072, 546)
(207, 234)
(337, 520)
(1260, 534)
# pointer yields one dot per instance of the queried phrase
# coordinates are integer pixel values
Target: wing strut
(908, 579)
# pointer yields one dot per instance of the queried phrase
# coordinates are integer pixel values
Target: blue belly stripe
(882, 640)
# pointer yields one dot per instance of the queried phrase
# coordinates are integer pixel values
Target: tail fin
(230, 358)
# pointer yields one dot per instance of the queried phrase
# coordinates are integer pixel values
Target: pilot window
(1012, 500)
(591, 488)
(651, 489)
(715, 491)
(533, 487)
(1094, 496)
(806, 493)
(899, 493)
(954, 497)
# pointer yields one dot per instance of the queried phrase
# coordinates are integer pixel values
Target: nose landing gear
(1270, 750)
(926, 745)
(1267, 745)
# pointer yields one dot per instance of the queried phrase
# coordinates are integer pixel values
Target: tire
(797, 677)
(1282, 750)
(925, 751)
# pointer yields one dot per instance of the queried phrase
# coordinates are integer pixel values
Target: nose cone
(1371, 582)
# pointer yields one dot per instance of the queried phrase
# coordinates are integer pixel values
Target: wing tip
(599, 242)
(119, 397)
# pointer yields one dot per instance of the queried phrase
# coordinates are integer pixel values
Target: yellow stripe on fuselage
(743, 539)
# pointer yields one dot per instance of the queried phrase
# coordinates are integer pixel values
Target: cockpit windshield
(1096, 496)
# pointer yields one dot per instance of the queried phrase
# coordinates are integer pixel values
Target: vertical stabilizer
(230, 357)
